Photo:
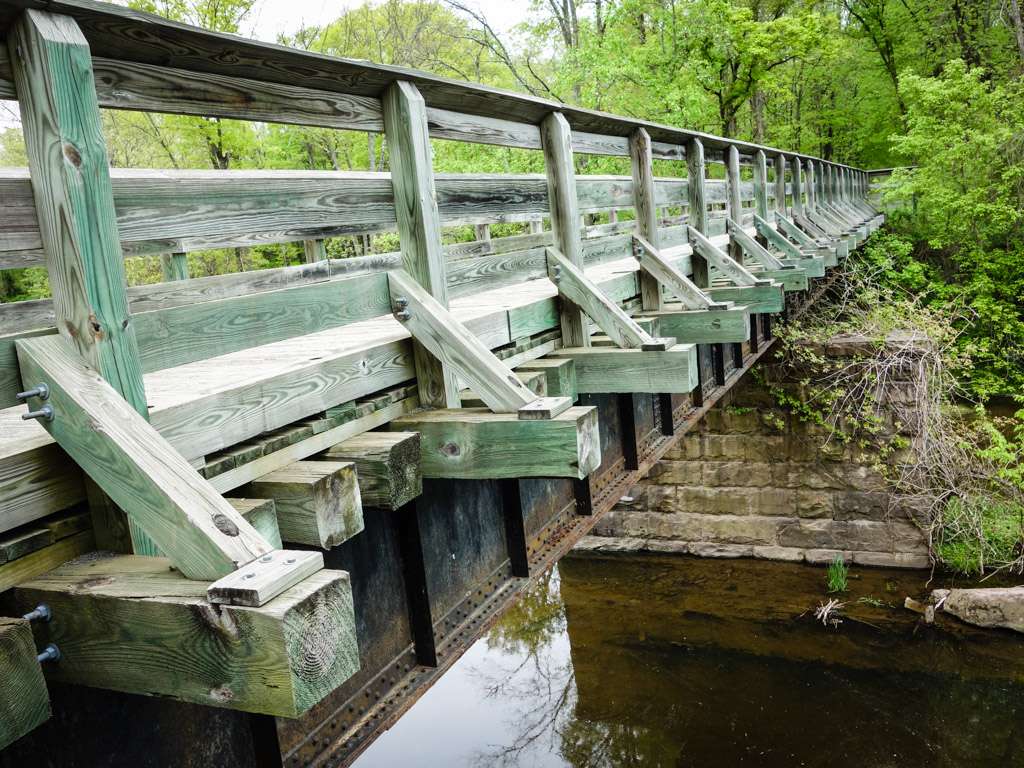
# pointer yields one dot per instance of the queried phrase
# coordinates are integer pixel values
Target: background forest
(875, 83)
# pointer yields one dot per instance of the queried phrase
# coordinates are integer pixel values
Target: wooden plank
(646, 213)
(720, 260)
(774, 238)
(419, 225)
(789, 277)
(534, 381)
(560, 375)
(132, 624)
(780, 184)
(473, 444)
(24, 699)
(201, 533)
(179, 335)
(42, 534)
(317, 502)
(697, 217)
(556, 138)
(607, 369)
(312, 445)
(734, 209)
(70, 177)
(758, 299)
(667, 275)
(761, 184)
(174, 266)
(575, 286)
(703, 326)
(447, 340)
(262, 515)
(387, 466)
(32, 565)
(264, 578)
(751, 247)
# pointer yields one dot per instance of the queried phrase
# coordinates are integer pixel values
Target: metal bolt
(404, 315)
(248, 575)
(401, 302)
(42, 391)
(50, 653)
(557, 276)
(45, 414)
(41, 612)
(267, 559)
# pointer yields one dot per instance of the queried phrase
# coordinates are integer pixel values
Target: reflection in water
(652, 661)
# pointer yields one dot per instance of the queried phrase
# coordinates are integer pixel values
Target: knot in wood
(450, 449)
(225, 525)
(72, 154)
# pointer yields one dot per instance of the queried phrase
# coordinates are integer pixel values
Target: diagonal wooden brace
(441, 334)
(773, 236)
(678, 284)
(751, 247)
(575, 286)
(717, 258)
(200, 532)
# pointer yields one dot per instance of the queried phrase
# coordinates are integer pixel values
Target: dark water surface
(667, 661)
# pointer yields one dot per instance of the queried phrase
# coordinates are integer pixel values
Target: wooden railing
(152, 382)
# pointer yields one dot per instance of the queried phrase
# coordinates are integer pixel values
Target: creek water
(668, 661)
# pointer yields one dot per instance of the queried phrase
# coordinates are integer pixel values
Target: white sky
(271, 18)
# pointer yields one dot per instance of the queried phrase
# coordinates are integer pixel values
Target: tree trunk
(1018, 27)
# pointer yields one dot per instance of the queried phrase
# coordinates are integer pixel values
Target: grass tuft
(837, 575)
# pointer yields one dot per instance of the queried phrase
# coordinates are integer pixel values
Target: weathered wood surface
(26, 540)
(317, 502)
(387, 466)
(646, 213)
(674, 281)
(729, 323)
(607, 369)
(262, 515)
(446, 340)
(563, 205)
(559, 375)
(751, 247)
(580, 291)
(471, 443)
(190, 522)
(264, 578)
(132, 624)
(46, 559)
(24, 699)
(720, 260)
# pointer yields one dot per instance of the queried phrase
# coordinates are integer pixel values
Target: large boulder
(996, 607)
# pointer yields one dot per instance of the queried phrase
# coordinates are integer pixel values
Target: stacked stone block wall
(753, 481)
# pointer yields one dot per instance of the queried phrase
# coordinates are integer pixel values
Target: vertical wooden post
(696, 173)
(732, 178)
(646, 211)
(798, 187)
(483, 232)
(174, 267)
(536, 226)
(419, 224)
(780, 184)
(70, 176)
(314, 250)
(761, 184)
(812, 189)
(831, 185)
(556, 139)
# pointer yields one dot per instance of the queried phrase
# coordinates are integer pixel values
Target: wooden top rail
(145, 62)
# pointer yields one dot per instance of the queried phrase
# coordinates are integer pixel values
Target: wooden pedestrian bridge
(334, 475)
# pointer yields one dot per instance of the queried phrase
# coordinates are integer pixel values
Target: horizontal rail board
(177, 211)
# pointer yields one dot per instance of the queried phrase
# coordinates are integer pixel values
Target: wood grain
(24, 700)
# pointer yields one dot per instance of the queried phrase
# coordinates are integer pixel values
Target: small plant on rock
(837, 575)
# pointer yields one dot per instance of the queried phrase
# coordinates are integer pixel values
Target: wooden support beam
(318, 502)
(556, 140)
(780, 184)
(202, 534)
(387, 466)
(727, 325)
(607, 369)
(774, 238)
(761, 184)
(798, 192)
(133, 624)
(560, 375)
(174, 267)
(789, 278)
(24, 699)
(43, 560)
(646, 213)
(533, 381)
(52, 67)
(574, 285)
(697, 218)
(812, 190)
(757, 299)
(473, 444)
(262, 515)
(750, 246)
(734, 209)
(679, 285)
(314, 250)
(482, 233)
(729, 268)
(448, 340)
(419, 224)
